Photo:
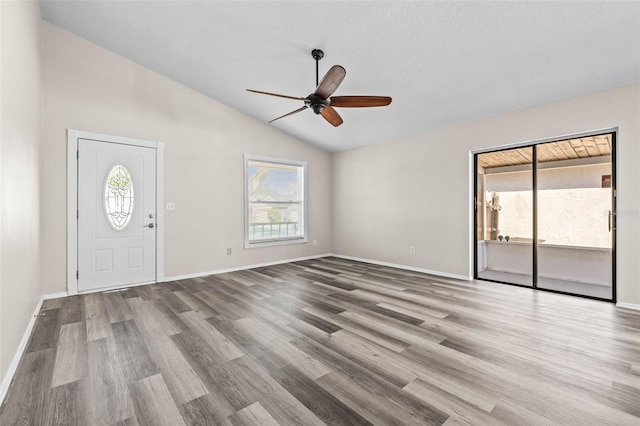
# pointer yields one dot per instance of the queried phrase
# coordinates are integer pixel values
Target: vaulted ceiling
(442, 62)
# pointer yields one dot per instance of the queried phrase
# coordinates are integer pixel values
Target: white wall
(89, 88)
(20, 110)
(416, 191)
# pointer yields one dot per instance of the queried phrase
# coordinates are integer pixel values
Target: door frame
(73, 137)
(533, 143)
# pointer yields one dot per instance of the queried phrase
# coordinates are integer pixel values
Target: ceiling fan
(321, 101)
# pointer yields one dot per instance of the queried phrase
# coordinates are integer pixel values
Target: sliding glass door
(575, 216)
(545, 216)
(505, 212)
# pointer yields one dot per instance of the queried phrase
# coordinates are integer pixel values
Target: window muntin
(118, 197)
(275, 211)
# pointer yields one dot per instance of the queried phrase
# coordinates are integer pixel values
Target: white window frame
(276, 241)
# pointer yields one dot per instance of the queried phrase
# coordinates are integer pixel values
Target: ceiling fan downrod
(317, 54)
(313, 101)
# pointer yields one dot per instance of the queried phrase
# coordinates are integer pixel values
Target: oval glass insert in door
(118, 197)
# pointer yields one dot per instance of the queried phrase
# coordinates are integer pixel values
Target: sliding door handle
(611, 214)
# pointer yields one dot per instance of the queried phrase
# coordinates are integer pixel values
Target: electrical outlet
(171, 206)
(412, 250)
(229, 251)
(315, 242)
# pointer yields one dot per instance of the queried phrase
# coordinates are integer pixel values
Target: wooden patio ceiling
(592, 146)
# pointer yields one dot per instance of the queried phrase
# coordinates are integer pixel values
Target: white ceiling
(442, 62)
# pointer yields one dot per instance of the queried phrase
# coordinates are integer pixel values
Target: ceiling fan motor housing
(316, 103)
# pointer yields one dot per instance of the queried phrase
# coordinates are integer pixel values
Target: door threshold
(113, 289)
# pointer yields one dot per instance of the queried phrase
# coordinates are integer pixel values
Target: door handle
(151, 225)
(611, 214)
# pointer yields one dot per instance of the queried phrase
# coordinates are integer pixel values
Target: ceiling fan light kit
(322, 103)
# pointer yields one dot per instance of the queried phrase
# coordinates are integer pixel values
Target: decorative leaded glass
(118, 197)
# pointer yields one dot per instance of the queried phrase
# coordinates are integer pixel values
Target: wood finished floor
(328, 341)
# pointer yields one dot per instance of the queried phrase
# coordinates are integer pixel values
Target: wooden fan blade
(330, 81)
(332, 116)
(290, 113)
(275, 94)
(359, 101)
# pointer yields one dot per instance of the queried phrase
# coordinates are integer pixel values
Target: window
(275, 210)
(118, 197)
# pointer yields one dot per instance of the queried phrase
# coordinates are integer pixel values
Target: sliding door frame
(533, 145)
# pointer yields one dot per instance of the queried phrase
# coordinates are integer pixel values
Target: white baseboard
(55, 295)
(242, 268)
(6, 381)
(628, 305)
(408, 268)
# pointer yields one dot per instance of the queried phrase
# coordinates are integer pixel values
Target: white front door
(116, 215)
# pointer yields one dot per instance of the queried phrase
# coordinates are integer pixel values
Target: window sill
(270, 243)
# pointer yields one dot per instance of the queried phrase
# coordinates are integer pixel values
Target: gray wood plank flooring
(328, 341)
